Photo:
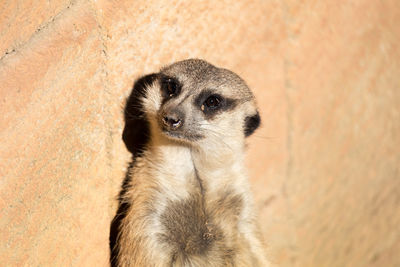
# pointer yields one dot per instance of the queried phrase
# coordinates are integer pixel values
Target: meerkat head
(192, 101)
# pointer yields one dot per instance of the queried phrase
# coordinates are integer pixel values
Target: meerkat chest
(188, 221)
(198, 225)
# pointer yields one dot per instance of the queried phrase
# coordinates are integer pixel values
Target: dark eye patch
(211, 103)
(170, 87)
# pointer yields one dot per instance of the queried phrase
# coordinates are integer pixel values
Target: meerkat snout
(172, 120)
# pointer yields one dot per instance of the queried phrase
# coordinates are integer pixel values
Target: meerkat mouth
(173, 134)
(181, 135)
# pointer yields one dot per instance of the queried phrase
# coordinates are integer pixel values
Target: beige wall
(325, 166)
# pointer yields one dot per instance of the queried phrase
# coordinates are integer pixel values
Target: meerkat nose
(172, 121)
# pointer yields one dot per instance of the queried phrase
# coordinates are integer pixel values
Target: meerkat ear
(251, 123)
(136, 130)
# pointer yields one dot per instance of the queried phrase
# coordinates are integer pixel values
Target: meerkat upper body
(187, 199)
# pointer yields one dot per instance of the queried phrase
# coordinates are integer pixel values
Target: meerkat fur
(187, 197)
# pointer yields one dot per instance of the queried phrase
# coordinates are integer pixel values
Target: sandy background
(325, 166)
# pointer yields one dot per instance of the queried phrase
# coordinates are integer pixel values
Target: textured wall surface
(325, 166)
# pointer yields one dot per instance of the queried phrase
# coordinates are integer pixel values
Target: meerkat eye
(170, 87)
(212, 102)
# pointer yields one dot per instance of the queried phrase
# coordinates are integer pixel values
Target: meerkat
(186, 199)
